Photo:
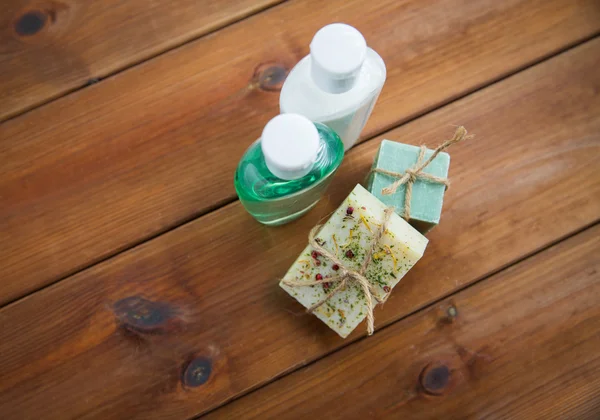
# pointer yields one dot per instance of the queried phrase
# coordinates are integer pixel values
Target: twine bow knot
(346, 275)
(411, 175)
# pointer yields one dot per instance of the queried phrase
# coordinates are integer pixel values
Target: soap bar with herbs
(348, 234)
(427, 197)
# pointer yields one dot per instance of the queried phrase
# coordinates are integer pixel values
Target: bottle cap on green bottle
(290, 144)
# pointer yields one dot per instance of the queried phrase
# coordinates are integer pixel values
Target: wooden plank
(52, 47)
(520, 345)
(112, 165)
(119, 337)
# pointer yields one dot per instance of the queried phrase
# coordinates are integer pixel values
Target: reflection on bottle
(284, 173)
(337, 84)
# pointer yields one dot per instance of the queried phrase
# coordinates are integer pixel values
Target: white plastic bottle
(337, 84)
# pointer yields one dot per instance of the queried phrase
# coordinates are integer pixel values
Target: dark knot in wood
(449, 317)
(435, 378)
(141, 315)
(30, 23)
(197, 372)
(270, 76)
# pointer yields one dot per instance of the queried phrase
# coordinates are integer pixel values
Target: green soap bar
(427, 197)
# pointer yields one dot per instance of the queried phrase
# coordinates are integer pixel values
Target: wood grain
(520, 345)
(193, 318)
(50, 47)
(148, 149)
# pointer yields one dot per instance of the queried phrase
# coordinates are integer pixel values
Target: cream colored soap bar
(348, 234)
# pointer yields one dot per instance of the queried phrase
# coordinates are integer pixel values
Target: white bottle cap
(337, 53)
(290, 144)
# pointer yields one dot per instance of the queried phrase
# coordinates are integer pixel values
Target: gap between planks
(542, 108)
(559, 249)
(57, 224)
(415, 312)
(362, 144)
(129, 66)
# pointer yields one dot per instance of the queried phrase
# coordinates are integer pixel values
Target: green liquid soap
(303, 154)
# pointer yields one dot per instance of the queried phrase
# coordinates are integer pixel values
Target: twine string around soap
(346, 275)
(411, 175)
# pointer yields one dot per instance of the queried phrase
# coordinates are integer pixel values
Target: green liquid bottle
(284, 173)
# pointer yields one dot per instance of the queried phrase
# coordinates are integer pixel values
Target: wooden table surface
(133, 285)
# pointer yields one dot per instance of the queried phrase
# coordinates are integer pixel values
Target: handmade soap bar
(348, 234)
(427, 196)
